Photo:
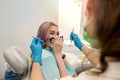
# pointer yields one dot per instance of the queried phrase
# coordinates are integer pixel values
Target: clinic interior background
(20, 20)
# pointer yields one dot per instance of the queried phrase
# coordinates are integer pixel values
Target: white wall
(19, 21)
(69, 17)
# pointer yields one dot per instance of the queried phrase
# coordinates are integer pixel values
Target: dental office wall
(69, 17)
(19, 21)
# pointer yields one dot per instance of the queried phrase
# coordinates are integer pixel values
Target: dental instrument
(43, 43)
(71, 40)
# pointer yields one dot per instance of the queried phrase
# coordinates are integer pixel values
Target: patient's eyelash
(51, 33)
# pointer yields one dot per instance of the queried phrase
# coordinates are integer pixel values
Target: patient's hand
(56, 45)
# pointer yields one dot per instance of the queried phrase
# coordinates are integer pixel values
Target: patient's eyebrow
(52, 31)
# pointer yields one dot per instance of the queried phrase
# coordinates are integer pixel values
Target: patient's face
(53, 32)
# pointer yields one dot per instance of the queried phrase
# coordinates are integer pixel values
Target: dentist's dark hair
(107, 26)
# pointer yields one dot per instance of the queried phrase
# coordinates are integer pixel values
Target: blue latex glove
(12, 76)
(36, 48)
(76, 40)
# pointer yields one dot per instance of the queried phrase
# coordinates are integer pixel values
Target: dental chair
(17, 61)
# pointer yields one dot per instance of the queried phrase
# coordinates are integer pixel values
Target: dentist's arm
(36, 48)
(92, 55)
(36, 73)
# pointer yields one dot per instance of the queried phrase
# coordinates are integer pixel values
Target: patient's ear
(89, 8)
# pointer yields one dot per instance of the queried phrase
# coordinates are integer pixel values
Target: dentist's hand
(76, 40)
(36, 48)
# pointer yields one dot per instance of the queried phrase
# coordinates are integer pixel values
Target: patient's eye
(52, 33)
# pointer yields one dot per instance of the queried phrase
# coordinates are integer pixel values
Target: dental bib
(49, 68)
